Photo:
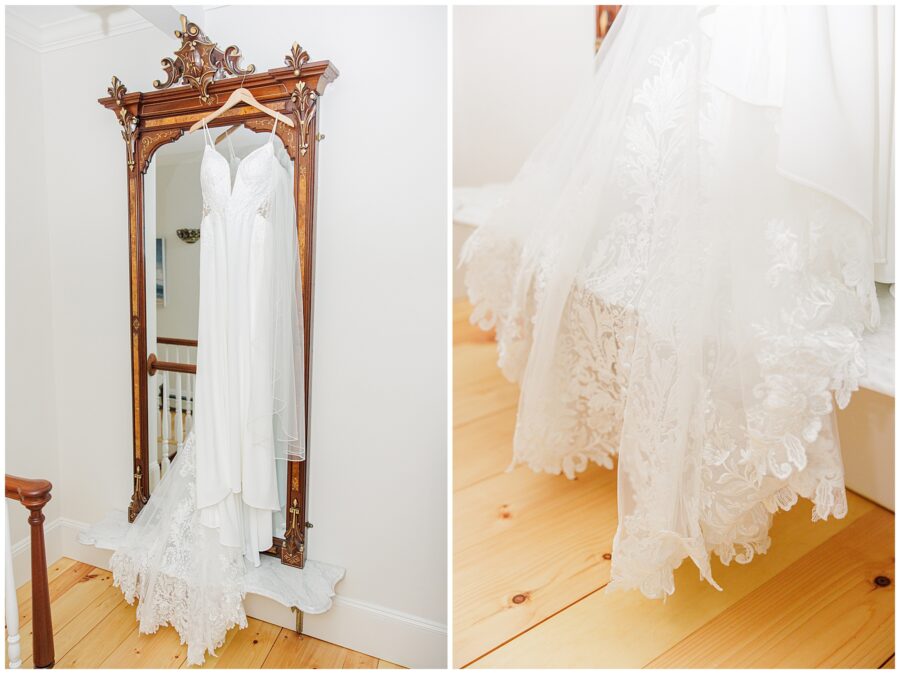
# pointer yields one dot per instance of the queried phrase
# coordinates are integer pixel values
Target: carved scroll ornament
(304, 100)
(199, 61)
(296, 58)
(127, 121)
(138, 498)
(292, 550)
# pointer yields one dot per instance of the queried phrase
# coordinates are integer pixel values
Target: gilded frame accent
(152, 119)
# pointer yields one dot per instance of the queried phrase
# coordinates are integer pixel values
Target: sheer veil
(288, 383)
(276, 396)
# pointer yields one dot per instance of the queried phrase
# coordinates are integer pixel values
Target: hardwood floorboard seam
(100, 666)
(488, 415)
(478, 482)
(538, 623)
(473, 420)
(59, 656)
(135, 628)
(271, 646)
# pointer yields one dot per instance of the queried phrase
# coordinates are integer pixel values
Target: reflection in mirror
(173, 235)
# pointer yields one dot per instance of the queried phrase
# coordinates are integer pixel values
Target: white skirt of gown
(679, 286)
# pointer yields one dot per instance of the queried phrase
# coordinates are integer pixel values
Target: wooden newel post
(34, 495)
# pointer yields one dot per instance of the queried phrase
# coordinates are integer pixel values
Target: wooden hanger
(225, 135)
(238, 96)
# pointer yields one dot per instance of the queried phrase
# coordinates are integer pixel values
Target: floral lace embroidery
(734, 459)
(185, 578)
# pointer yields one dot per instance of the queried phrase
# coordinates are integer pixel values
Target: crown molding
(71, 31)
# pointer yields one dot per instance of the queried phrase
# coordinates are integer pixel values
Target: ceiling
(42, 16)
(49, 27)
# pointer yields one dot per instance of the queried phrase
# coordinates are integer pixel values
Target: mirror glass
(173, 211)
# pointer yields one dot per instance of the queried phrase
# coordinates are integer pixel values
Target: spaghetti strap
(208, 137)
(231, 148)
(272, 135)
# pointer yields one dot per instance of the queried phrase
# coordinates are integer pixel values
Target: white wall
(179, 203)
(378, 446)
(515, 69)
(31, 423)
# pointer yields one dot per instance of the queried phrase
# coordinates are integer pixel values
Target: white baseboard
(21, 551)
(72, 549)
(374, 630)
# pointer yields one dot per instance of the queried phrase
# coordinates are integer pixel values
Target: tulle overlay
(177, 570)
(666, 297)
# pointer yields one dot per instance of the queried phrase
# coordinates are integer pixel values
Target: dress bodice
(252, 183)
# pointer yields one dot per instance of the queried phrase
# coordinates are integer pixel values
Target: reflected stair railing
(173, 374)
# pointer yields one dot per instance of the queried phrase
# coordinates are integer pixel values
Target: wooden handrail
(34, 495)
(176, 341)
(154, 365)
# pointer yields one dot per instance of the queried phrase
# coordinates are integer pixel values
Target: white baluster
(179, 422)
(162, 418)
(164, 467)
(189, 393)
(154, 446)
(13, 650)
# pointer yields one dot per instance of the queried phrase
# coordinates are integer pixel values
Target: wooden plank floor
(531, 558)
(93, 628)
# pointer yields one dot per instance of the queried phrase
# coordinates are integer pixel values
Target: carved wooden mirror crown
(198, 80)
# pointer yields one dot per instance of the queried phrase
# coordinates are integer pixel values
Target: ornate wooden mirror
(150, 121)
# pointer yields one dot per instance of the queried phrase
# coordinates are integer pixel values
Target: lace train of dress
(176, 568)
(670, 294)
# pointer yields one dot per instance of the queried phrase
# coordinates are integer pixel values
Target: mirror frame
(149, 120)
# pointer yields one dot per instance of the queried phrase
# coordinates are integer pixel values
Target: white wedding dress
(185, 556)
(680, 275)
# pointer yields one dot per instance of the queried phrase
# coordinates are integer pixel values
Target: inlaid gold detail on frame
(135, 312)
(199, 61)
(152, 140)
(243, 111)
(136, 383)
(132, 242)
